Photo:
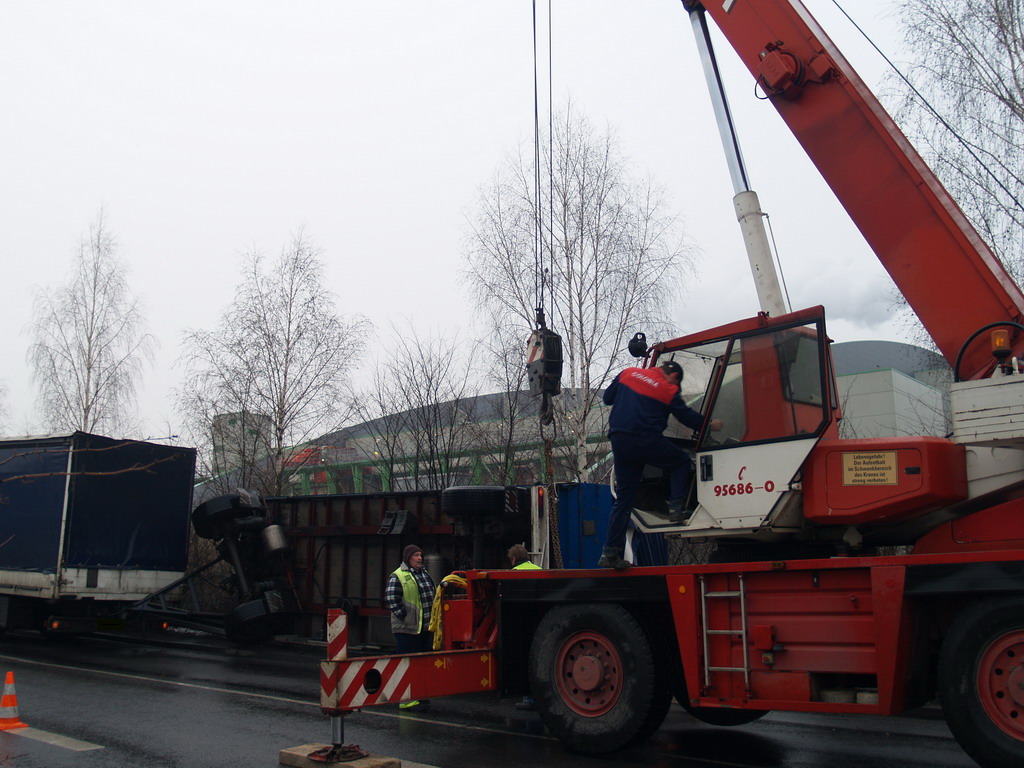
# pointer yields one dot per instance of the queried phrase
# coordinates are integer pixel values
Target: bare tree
(385, 422)
(969, 66)
(273, 374)
(420, 410)
(612, 257)
(88, 345)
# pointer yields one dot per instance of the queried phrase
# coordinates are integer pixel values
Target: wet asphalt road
(138, 706)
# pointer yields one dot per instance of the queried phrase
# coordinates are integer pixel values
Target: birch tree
(277, 366)
(969, 65)
(88, 344)
(612, 256)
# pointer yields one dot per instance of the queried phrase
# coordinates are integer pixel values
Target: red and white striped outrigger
(350, 684)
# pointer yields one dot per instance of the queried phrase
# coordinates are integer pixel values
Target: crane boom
(948, 274)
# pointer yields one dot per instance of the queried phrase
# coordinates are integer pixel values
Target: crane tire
(663, 685)
(594, 677)
(720, 716)
(981, 681)
(724, 716)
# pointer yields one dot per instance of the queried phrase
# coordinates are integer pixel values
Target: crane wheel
(594, 676)
(981, 681)
(723, 716)
(663, 686)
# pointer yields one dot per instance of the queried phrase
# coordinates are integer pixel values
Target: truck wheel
(473, 501)
(257, 620)
(981, 681)
(723, 716)
(594, 678)
(211, 519)
(662, 699)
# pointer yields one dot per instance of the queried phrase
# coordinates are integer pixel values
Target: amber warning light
(1001, 344)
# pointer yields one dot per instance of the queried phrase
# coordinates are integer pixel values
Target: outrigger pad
(338, 753)
(316, 754)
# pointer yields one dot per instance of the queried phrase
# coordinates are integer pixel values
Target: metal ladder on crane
(706, 632)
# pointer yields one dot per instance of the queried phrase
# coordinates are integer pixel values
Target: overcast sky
(207, 130)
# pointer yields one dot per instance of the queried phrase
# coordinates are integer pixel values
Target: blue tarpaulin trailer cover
(86, 501)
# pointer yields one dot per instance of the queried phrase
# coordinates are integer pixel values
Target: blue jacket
(642, 399)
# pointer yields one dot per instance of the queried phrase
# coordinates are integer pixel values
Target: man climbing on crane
(641, 401)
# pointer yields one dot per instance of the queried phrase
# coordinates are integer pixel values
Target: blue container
(583, 511)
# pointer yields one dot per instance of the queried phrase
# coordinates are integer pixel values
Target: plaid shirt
(393, 594)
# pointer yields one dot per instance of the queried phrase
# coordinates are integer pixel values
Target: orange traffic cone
(9, 706)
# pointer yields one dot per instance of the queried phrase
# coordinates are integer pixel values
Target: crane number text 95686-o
(741, 489)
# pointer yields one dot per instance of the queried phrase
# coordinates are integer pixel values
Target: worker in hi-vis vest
(409, 595)
(520, 559)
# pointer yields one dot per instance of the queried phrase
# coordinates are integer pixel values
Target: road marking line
(306, 702)
(147, 679)
(55, 738)
(284, 699)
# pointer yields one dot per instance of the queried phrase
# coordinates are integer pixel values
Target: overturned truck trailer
(91, 525)
(343, 547)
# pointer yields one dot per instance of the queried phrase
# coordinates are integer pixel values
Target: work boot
(526, 704)
(418, 705)
(612, 558)
(676, 514)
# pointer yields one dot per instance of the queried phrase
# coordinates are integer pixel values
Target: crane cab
(777, 468)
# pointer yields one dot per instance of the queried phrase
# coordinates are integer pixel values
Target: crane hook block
(638, 345)
(544, 362)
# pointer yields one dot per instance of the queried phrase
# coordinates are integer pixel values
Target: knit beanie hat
(409, 551)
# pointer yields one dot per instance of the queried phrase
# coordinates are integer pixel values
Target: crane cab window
(764, 387)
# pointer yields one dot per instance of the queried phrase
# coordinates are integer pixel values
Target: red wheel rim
(588, 673)
(1001, 683)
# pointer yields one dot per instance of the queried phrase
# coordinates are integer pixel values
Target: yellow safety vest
(411, 598)
(527, 566)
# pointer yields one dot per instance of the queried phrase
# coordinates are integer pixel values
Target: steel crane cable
(551, 164)
(547, 404)
(540, 288)
(778, 262)
(538, 240)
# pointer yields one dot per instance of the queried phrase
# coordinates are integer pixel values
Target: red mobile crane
(800, 612)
